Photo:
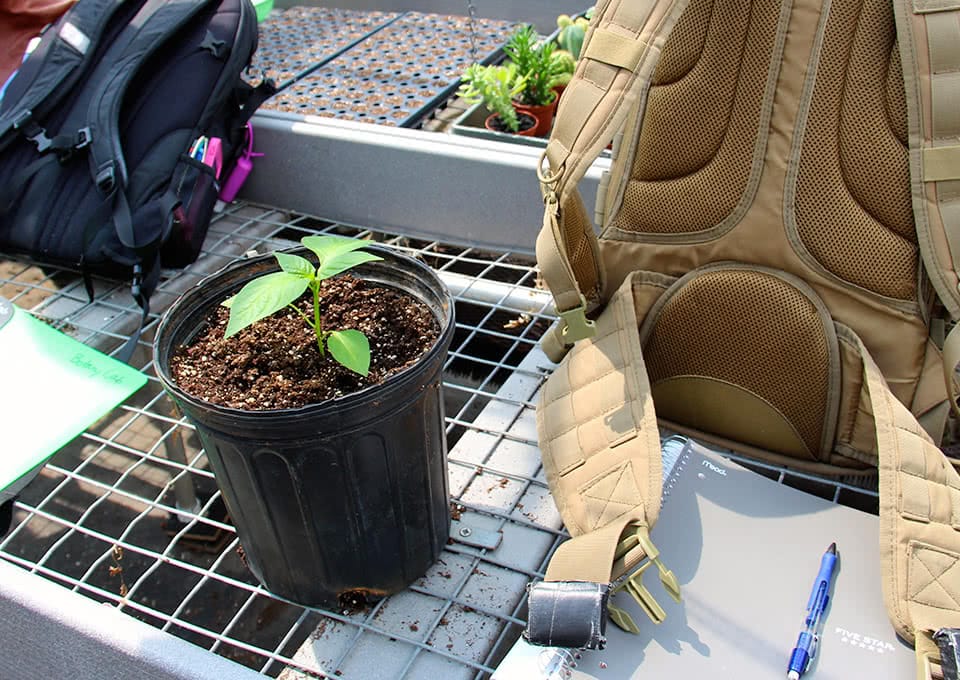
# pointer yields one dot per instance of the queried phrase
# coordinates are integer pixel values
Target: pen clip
(198, 148)
(633, 584)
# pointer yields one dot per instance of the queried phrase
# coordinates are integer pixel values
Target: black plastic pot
(345, 496)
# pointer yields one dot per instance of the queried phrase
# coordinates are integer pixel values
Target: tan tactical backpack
(775, 271)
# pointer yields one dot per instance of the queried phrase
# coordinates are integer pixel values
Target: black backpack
(99, 167)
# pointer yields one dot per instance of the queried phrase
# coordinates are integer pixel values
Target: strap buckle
(575, 325)
(137, 282)
(84, 138)
(633, 584)
(28, 127)
(106, 177)
(67, 150)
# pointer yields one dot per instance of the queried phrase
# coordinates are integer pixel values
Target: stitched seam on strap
(606, 501)
(599, 416)
(570, 392)
(917, 550)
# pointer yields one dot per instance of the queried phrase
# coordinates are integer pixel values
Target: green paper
(53, 388)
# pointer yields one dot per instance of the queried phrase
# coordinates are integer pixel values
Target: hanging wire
(472, 13)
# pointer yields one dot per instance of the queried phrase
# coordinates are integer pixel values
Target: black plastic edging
(445, 94)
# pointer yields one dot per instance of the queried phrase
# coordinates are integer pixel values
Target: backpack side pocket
(196, 188)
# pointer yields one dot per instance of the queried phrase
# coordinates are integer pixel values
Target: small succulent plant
(563, 65)
(496, 87)
(534, 62)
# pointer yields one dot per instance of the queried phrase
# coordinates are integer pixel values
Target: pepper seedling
(272, 292)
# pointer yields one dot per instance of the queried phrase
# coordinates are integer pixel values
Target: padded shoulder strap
(620, 51)
(919, 522)
(59, 60)
(928, 32)
(601, 454)
(153, 25)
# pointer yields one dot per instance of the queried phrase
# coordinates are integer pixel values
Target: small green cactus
(563, 66)
(572, 32)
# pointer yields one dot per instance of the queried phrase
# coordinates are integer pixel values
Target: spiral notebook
(746, 550)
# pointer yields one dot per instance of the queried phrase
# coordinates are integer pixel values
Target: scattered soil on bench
(275, 363)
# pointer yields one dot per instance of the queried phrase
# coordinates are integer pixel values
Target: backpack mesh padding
(853, 206)
(582, 257)
(686, 44)
(750, 329)
(694, 153)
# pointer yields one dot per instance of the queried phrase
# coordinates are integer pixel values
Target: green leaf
(262, 297)
(351, 348)
(294, 264)
(342, 262)
(228, 303)
(326, 247)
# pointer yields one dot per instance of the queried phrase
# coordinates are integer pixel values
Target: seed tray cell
(396, 75)
(295, 41)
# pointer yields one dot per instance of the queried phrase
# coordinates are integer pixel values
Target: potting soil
(275, 363)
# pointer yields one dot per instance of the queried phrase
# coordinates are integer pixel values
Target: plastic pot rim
(353, 399)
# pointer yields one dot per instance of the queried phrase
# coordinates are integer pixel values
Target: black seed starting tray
(295, 41)
(397, 74)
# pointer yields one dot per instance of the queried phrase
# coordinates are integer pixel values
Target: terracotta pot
(529, 132)
(559, 90)
(544, 114)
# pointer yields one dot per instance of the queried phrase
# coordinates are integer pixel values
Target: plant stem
(317, 326)
(302, 315)
(309, 323)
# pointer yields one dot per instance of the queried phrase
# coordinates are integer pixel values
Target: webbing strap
(590, 557)
(620, 50)
(555, 267)
(928, 33)
(941, 163)
(615, 49)
(943, 39)
(144, 284)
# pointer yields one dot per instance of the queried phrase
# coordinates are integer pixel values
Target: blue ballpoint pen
(806, 647)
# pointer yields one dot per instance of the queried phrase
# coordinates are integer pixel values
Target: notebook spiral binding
(557, 664)
(675, 455)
